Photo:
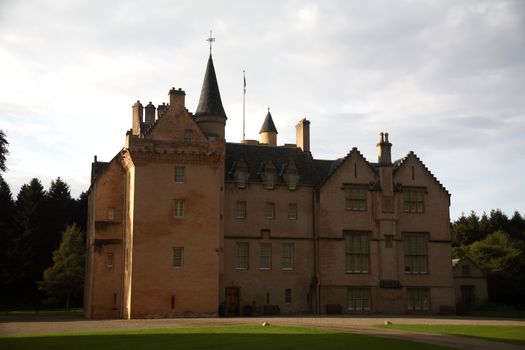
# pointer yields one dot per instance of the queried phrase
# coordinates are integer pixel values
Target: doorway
(231, 302)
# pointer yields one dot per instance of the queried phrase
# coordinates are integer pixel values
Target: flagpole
(243, 107)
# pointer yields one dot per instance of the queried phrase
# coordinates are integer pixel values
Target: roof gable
(402, 163)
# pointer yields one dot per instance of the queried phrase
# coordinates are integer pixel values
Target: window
(269, 180)
(389, 241)
(418, 299)
(358, 299)
(292, 211)
(241, 256)
(178, 208)
(241, 176)
(179, 174)
(240, 210)
(287, 258)
(415, 245)
(212, 137)
(188, 136)
(265, 256)
(413, 200)
(270, 210)
(465, 269)
(356, 252)
(292, 180)
(355, 198)
(111, 214)
(177, 257)
(110, 260)
(291, 176)
(288, 295)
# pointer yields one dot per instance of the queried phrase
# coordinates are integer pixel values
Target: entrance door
(231, 303)
(467, 296)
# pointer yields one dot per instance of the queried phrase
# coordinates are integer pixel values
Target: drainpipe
(315, 203)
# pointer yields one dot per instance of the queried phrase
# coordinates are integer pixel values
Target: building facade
(182, 223)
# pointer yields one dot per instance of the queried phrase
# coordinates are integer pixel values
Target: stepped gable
(411, 154)
(338, 162)
(256, 156)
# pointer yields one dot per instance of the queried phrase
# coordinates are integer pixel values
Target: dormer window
(291, 176)
(240, 178)
(269, 180)
(269, 175)
(241, 174)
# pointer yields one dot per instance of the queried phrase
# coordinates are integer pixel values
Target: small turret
(210, 115)
(268, 133)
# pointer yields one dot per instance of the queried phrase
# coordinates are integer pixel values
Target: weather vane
(211, 39)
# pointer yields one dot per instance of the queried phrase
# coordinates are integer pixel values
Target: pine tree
(60, 210)
(65, 278)
(3, 151)
(7, 207)
(27, 255)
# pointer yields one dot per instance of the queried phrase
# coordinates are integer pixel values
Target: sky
(445, 78)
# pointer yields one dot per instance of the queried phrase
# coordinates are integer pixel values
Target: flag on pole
(244, 76)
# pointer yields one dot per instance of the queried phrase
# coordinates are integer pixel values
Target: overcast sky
(446, 79)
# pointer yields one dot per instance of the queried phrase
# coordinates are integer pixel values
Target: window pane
(270, 210)
(287, 258)
(177, 257)
(265, 255)
(179, 174)
(240, 210)
(242, 256)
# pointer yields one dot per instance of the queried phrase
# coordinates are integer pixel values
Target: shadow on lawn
(250, 341)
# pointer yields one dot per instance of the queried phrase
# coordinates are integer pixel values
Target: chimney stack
(149, 114)
(177, 97)
(385, 164)
(137, 117)
(303, 135)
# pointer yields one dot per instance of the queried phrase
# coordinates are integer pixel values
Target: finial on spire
(211, 39)
(268, 109)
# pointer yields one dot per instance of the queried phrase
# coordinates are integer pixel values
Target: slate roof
(268, 125)
(210, 103)
(96, 168)
(256, 156)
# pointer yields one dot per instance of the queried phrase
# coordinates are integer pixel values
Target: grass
(44, 313)
(233, 337)
(509, 334)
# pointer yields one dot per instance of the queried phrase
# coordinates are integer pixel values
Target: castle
(183, 223)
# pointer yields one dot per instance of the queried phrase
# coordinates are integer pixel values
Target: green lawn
(233, 337)
(510, 334)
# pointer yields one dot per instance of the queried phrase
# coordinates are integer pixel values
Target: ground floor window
(288, 295)
(418, 299)
(358, 299)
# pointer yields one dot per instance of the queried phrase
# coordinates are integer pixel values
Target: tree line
(31, 227)
(496, 243)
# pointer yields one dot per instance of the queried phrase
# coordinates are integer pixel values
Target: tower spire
(211, 39)
(210, 114)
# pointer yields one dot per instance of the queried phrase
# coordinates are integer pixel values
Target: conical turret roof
(268, 125)
(210, 103)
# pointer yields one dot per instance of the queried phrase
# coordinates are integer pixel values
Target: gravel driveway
(361, 325)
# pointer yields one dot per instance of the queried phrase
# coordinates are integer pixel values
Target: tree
(28, 254)
(7, 207)
(503, 258)
(3, 151)
(65, 278)
(465, 230)
(60, 209)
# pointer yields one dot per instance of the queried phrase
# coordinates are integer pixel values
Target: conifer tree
(3, 151)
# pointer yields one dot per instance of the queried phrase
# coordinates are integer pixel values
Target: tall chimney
(149, 114)
(385, 164)
(137, 117)
(160, 109)
(177, 97)
(303, 134)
